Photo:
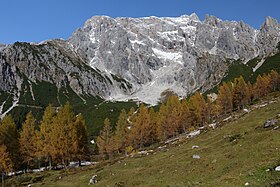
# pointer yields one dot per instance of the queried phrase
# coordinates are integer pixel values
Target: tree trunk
(50, 162)
(80, 163)
(39, 163)
(3, 179)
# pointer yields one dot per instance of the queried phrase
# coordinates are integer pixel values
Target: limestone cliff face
(181, 53)
(138, 58)
(55, 62)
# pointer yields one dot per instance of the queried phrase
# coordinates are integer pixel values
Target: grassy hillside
(231, 155)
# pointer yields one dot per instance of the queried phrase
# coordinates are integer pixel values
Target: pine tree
(6, 164)
(27, 140)
(9, 137)
(105, 140)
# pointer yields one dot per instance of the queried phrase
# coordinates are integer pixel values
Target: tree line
(60, 138)
(61, 135)
(136, 130)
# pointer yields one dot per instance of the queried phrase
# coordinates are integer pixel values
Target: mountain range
(124, 59)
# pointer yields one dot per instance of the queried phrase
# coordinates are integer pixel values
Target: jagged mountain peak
(139, 58)
(159, 53)
(270, 23)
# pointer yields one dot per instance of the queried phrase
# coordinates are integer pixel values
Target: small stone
(246, 110)
(275, 128)
(270, 123)
(277, 168)
(195, 146)
(247, 184)
(196, 156)
(214, 161)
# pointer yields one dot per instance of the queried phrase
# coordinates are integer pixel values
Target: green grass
(231, 155)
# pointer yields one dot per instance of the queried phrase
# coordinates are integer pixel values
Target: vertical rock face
(181, 53)
(138, 58)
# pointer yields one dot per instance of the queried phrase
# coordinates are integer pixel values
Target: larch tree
(185, 116)
(121, 132)
(240, 95)
(153, 124)
(224, 99)
(141, 131)
(6, 164)
(9, 137)
(80, 145)
(250, 95)
(27, 140)
(212, 110)
(261, 87)
(104, 141)
(162, 126)
(274, 80)
(169, 118)
(44, 135)
(197, 106)
(63, 135)
(173, 117)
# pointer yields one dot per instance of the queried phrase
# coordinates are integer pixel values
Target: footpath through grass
(236, 153)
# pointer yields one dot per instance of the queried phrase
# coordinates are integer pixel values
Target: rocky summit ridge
(138, 58)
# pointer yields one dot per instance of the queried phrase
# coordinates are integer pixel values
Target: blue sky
(37, 20)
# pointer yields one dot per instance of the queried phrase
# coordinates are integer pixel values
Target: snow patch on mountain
(179, 53)
(172, 56)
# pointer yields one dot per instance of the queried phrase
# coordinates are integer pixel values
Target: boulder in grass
(93, 180)
(277, 168)
(270, 123)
